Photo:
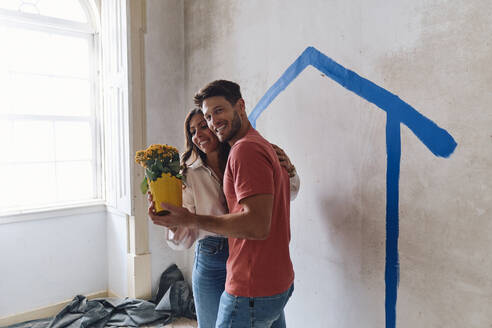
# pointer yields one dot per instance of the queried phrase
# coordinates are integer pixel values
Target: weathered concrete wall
(165, 110)
(435, 55)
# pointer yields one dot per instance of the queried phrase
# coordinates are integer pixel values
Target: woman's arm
(183, 237)
(295, 184)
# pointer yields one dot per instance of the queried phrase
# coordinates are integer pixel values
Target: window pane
(33, 141)
(52, 70)
(73, 141)
(75, 180)
(9, 188)
(66, 9)
(6, 149)
(45, 95)
(27, 185)
(45, 53)
(10, 4)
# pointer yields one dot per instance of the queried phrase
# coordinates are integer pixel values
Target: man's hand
(177, 217)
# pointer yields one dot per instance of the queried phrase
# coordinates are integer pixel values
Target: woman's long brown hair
(192, 149)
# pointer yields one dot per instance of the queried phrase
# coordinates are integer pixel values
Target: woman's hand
(284, 160)
(150, 201)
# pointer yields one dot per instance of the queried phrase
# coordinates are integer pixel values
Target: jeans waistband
(217, 239)
(213, 243)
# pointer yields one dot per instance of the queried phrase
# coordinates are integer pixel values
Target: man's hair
(227, 89)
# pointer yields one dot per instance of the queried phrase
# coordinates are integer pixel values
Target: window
(49, 127)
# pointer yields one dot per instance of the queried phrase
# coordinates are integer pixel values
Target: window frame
(90, 32)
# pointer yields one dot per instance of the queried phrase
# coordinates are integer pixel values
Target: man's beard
(235, 127)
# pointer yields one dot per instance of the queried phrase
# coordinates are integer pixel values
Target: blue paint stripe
(392, 268)
(438, 140)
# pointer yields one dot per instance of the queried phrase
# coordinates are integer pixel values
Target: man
(259, 269)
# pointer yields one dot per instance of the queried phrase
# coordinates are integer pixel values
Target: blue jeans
(208, 279)
(253, 312)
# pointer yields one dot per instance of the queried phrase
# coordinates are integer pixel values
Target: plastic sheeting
(173, 299)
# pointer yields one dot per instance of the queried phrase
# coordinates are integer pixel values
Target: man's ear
(242, 105)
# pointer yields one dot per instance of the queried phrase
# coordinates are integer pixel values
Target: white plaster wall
(117, 249)
(165, 108)
(435, 55)
(46, 261)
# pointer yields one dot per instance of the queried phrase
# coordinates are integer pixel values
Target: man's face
(222, 118)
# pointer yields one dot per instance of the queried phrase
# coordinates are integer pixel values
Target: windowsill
(97, 205)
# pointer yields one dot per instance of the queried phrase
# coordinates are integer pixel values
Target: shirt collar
(197, 163)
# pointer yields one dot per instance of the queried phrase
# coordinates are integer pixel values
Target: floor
(183, 323)
(179, 323)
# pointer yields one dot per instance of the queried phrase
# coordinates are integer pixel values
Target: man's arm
(253, 222)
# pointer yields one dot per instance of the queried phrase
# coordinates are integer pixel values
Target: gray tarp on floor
(173, 299)
(103, 312)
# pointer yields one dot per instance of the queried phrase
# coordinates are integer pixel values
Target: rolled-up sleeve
(188, 235)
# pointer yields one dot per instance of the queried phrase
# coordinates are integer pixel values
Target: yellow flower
(159, 152)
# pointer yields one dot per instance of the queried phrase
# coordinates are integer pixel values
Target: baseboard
(113, 294)
(47, 311)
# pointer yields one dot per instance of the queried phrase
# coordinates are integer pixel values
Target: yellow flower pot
(166, 189)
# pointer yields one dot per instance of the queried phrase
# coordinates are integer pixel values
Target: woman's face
(201, 135)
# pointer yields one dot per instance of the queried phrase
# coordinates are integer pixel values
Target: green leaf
(144, 186)
(151, 174)
(155, 172)
(174, 166)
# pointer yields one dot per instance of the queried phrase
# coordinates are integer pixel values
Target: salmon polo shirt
(258, 268)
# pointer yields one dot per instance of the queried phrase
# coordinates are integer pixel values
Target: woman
(203, 194)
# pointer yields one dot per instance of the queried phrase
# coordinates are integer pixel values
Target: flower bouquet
(161, 163)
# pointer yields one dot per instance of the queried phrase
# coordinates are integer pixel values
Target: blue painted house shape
(436, 139)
